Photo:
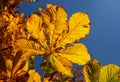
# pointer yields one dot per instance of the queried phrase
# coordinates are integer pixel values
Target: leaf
(17, 57)
(56, 20)
(60, 67)
(35, 28)
(30, 63)
(9, 64)
(17, 62)
(34, 76)
(77, 54)
(110, 73)
(34, 25)
(79, 27)
(18, 66)
(47, 66)
(30, 47)
(91, 71)
(22, 76)
(51, 61)
(51, 32)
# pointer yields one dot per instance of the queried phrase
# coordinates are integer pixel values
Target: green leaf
(52, 61)
(110, 73)
(48, 67)
(30, 63)
(92, 70)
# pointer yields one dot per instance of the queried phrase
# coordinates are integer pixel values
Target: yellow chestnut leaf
(52, 32)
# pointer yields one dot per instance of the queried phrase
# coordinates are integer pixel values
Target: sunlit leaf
(67, 64)
(110, 73)
(60, 67)
(34, 25)
(56, 20)
(35, 28)
(91, 71)
(9, 64)
(34, 76)
(14, 68)
(30, 47)
(51, 33)
(18, 66)
(77, 54)
(79, 27)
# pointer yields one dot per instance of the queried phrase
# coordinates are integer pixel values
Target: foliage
(14, 66)
(51, 35)
(95, 72)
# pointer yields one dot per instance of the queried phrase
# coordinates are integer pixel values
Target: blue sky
(103, 42)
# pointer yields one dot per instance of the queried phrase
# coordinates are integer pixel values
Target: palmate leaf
(52, 32)
(17, 64)
(110, 73)
(77, 54)
(91, 71)
(14, 68)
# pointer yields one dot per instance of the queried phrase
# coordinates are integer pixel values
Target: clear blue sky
(103, 42)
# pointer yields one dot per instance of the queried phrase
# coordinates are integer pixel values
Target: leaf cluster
(95, 72)
(14, 67)
(52, 36)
